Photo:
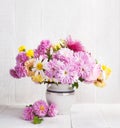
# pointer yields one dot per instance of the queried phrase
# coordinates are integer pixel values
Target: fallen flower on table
(38, 110)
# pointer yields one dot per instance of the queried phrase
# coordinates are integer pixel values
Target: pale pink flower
(94, 74)
(28, 113)
(52, 110)
(40, 108)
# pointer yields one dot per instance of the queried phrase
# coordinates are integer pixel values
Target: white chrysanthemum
(40, 65)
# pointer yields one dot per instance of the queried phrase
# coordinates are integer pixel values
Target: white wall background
(95, 22)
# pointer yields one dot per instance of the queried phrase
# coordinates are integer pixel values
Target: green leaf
(75, 85)
(37, 120)
(81, 79)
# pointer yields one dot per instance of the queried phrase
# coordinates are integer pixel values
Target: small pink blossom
(28, 113)
(40, 108)
(52, 110)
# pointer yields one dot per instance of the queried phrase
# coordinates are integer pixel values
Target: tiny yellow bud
(22, 48)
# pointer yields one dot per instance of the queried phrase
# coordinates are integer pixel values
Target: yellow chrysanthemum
(22, 48)
(100, 81)
(37, 78)
(30, 53)
(106, 70)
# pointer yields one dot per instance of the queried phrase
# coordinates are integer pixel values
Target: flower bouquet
(65, 62)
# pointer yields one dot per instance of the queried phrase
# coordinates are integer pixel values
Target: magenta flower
(21, 58)
(76, 46)
(52, 111)
(40, 108)
(28, 113)
(13, 73)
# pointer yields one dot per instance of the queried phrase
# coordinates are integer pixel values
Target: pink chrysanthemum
(18, 72)
(67, 74)
(64, 55)
(88, 70)
(28, 113)
(42, 49)
(52, 111)
(94, 74)
(40, 108)
(76, 46)
(21, 58)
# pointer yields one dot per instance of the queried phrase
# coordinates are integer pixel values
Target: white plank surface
(82, 116)
(95, 116)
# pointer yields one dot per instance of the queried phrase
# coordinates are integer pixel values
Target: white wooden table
(81, 116)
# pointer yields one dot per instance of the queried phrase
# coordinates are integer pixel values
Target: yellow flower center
(40, 66)
(65, 73)
(42, 108)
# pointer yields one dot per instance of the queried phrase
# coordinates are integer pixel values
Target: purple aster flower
(13, 73)
(52, 111)
(21, 58)
(40, 108)
(28, 113)
(20, 71)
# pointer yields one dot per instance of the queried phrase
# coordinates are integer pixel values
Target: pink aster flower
(74, 45)
(21, 58)
(28, 113)
(40, 108)
(52, 111)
